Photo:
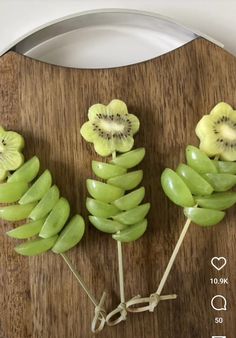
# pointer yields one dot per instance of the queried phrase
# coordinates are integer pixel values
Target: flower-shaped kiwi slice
(110, 128)
(217, 132)
(11, 158)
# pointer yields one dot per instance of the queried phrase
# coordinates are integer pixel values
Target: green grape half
(70, 235)
(199, 161)
(36, 246)
(46, 204)
(134, 215)
(131, 200)
(176, 189)
(221, 182)
(27, 172)
(103, 192)
(101, 209)
(225, 167)
(12, 192)
(107, 170)
(204, 217)
(130, 159)
(217, 201)
(56, 219)
(16, 212)
(132, 233)
(38, 189)
(127, 181)
(106, 225)
(194, 181)
(27, 230)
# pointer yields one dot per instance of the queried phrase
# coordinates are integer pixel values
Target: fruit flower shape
(111, 129)
(217, 132)
(11, 158)
(203, 185)
(37, 200)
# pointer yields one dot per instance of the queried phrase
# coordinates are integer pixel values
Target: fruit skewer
(111, 130)
(202, 186)
(36, 200)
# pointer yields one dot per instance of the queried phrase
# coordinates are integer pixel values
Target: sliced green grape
(70, 235)
(46, 204)
(16, 212)
(204, 217)
(103, 192)
(27, 230)
(225, 167)
(132, 233)
(56, 219)
(100, 209)
(134, 215)
(176, 189)
(130, 159)
(127, 181)
(12, 192)
(27, 172)
(38, 189)
(194, 181)
(131, 200)
(199, 161)
(217, 201)
(107, 170)
(36, 246)
(106, 225)
(221, 182)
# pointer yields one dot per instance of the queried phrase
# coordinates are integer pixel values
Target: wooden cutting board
(47, 104)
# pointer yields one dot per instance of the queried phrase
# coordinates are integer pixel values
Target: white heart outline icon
(218, 259)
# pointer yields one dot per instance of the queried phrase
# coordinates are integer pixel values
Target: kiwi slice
(11, 143)
(217, 132)
(130, 159)
(110, 128)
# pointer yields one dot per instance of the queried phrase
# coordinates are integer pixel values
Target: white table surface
(216, 18)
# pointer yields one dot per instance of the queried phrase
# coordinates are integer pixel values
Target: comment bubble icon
(219, 303)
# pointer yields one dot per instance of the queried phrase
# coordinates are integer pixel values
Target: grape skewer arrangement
(37, 200)
(203, 185)
(111, 128)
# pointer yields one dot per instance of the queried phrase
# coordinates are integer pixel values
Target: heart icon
(218, 262)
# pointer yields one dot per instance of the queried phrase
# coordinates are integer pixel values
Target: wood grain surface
(47, 104)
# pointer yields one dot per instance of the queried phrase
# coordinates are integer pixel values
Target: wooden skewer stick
(99, 319)
(122, 306)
